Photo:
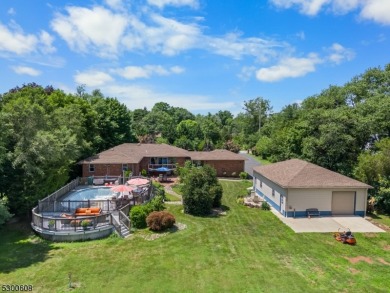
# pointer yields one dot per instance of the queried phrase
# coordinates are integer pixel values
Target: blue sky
(203, 55)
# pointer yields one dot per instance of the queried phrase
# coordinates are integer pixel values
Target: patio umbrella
(162, 169)
(138, 181)
(121, 188)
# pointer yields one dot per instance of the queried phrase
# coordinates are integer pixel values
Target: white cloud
(177, 69)
(374, 10)
(377, 10)
(115, 4)
(309, 7)
(232, 45)
(162, 35)
(247, 72)
(95, 29)
(134, 96)
(102, 32)
(26, 70)
(46, 40)
(288, 67)
(16, 41)
(163, 3)
(134, 72)
(93, 78)
(339, 54)
(345, 6)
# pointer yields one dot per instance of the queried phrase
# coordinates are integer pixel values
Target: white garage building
(295, 185)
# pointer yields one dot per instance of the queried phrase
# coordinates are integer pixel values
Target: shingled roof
(133, 153)
(297, 173)
(216, 155)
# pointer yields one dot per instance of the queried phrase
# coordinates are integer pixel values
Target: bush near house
(265, 206)
(159, 221)
(243, 175)
(138, 214)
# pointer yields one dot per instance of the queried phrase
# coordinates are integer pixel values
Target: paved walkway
(249, 163)
(328, 224)
(168, 188)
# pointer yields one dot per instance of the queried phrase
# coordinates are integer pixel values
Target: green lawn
(172, 197)
(248, 250)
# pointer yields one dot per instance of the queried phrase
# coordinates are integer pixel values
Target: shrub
(240, 200)
(5, 215)
(243, 175)
(265, 206)
(139, 213)
(159, 190)
(216, 192)
(198, 202)
(138, 216)
(200, 188)
(156, 204)
(159, 221)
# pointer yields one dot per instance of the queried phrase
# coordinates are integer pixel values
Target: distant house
(295, 185)
(227, 163)
(151, 157)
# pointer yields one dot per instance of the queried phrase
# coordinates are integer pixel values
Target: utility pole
(260, 118)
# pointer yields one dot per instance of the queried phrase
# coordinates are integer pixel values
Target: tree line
(44, 132)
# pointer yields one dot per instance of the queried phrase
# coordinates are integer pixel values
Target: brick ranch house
(136, 157)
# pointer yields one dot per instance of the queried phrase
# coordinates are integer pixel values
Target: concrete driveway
(329, 224)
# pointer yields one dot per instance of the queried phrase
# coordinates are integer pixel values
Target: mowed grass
(248, 250)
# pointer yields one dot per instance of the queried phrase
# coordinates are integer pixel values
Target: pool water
(99, 193)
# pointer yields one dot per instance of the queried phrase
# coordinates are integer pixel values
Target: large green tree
(201, 189)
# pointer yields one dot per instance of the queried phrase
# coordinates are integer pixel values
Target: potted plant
(85, 224)
(51, 224)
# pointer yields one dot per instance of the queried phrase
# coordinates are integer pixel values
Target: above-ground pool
(97, 193)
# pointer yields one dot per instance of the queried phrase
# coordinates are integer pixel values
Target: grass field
(247, 250)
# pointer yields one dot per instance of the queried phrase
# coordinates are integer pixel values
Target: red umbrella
(121, 188)
(138, 181)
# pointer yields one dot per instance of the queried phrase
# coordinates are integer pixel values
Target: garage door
(343, 202)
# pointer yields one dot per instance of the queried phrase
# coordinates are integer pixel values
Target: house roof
(133, 153)
(216, 155)
(297, 173)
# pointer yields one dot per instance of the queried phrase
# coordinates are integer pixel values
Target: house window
(261, 184)
(91, 168)
(273, 192)
(125, 167)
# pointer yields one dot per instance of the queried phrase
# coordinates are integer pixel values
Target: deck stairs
(124, 230)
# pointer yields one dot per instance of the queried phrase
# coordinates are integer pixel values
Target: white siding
(361, 199)
(266, 186)
(302, 199)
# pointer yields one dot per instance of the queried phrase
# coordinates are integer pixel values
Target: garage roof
(297, 173)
